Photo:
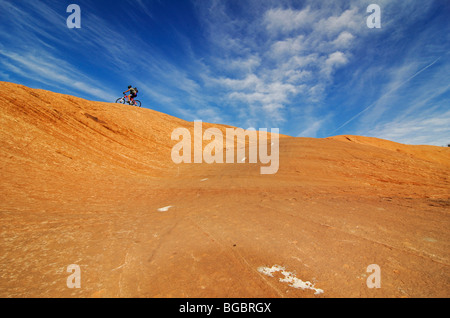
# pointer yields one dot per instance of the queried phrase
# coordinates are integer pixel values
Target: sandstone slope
(83, 183)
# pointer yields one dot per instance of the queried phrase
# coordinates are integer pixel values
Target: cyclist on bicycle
(132, 95)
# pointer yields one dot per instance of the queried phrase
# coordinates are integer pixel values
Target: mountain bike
(124, 99)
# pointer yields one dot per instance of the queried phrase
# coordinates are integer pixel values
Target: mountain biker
(132, 95)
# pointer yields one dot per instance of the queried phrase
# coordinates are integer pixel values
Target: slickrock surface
(93, 184)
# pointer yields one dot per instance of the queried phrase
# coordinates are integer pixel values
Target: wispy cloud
(420, 118)
(430, 129)
(32, 53)
(54, 72)
(295, 63)
(381, 103)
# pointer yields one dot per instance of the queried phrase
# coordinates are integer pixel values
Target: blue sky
(309, 68)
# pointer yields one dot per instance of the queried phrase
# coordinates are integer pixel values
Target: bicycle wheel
(138, 102)
(120, 100)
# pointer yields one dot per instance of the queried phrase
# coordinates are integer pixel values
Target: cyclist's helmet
(130, 86)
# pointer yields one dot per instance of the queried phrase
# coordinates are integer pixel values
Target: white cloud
(250, 82)
(286, 20)
(267, 95)
(244, 65)
(334, 61)
(335, 24)
(343, 40)
(288, 47)
(295, 62)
